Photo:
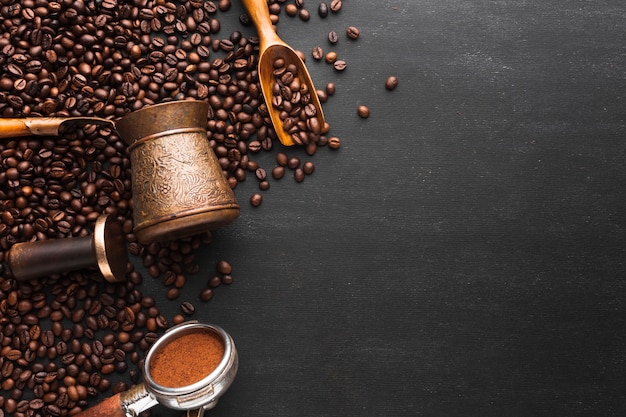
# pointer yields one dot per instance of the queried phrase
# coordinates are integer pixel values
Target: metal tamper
(106, 249)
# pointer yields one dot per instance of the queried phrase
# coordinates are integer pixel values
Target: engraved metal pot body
(178, 186)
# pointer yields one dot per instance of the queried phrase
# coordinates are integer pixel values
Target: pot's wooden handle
(13, 128)
(111, 407)
(260, 15)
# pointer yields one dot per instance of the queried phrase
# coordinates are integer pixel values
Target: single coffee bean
(335, 6)
(298, 175)
(333, 38)
(322, 9)
(363, 112)
(223, 267)
(340, 65)
(261, 174)
(391, 83)
(256, 199)
(172, 293)
(293, 162)
(187, 308)
(334, 142)
(291, 10)
(353, 32)
(206, 294)
(304, 15)
(278, 172)
(318, 53)
(308, 167)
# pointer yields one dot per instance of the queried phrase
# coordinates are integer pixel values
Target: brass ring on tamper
(110, 249)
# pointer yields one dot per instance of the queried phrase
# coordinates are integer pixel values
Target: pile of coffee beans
(292, 99)
(69, 339)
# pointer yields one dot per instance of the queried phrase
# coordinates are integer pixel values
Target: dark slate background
(462, 254)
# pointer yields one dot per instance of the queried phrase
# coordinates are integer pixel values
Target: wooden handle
(30, 260)
(13, 127)
(111, 407)
(27, 126)
(260, 15)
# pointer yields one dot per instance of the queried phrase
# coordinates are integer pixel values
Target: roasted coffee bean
(298, 175)
(334, 142)
(187, 308)
(333, 37)
(308, 167)
(293, 162)
(322, 9)
(223, 267)
(391, 83)
(340, 65)
(278, 172)
(256, 199)
(206, 294)
(304, 15)
(291, 9)
(318, 53)
(363, 112)
(353, 32)
(335, 6)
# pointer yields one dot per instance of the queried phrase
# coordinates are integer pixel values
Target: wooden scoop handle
(27, 126)
(260, 15)
(111, 407)
(12, 128)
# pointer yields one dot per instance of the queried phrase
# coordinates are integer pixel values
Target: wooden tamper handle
(106, 249)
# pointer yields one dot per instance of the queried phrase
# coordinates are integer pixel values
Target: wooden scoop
(46, 126)
(272, 48)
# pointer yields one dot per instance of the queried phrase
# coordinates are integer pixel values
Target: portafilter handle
(128, 403)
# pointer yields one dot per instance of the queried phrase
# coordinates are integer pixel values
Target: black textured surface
(462, 254)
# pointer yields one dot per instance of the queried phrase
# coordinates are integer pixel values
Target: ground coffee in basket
(186, 360)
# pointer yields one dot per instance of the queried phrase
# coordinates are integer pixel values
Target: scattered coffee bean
(391, 83)
(223, 267)
(282, 159)
(187, 308)
(353, 32)
(363, 112)
(304, 15)
(291, 9)
(334, 142)
(298, 175)
(333, 37)
(308, 167)
(278, 172)
(340, 65)
(206, 294)
(256, 199)
(318, 53)
(322, 9)
(214, 281)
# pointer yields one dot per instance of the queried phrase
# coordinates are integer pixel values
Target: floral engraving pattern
(177, 173)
